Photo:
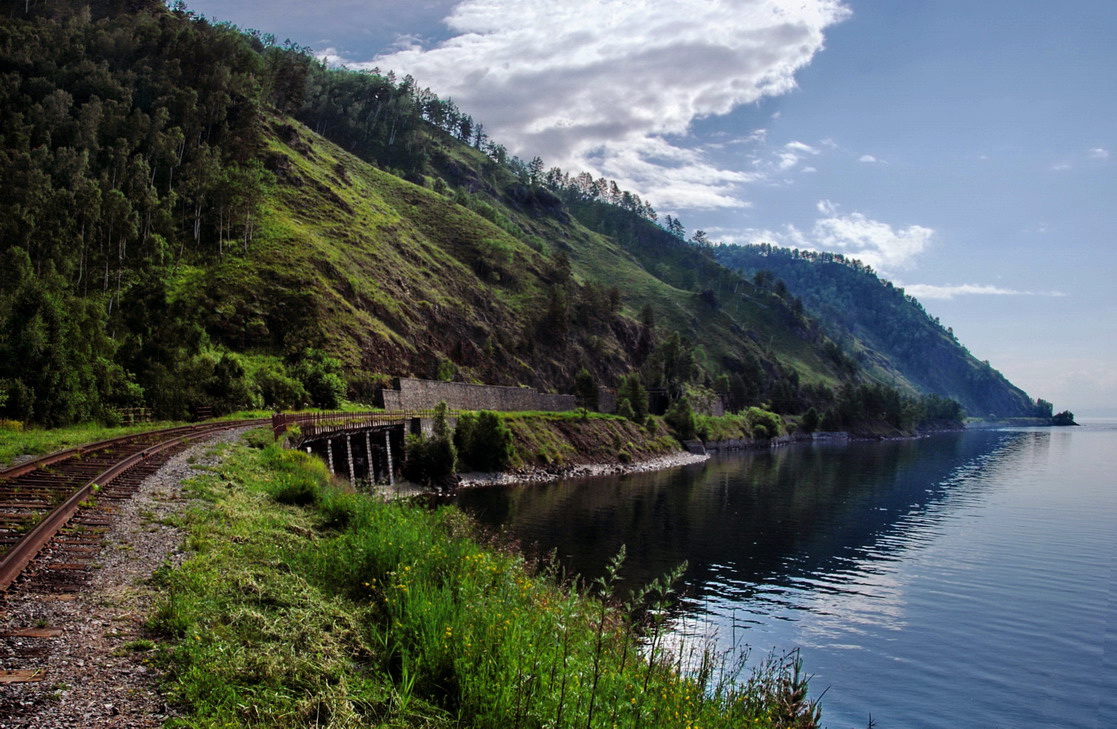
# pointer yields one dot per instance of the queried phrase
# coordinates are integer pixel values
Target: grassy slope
(333, 610)
(394, 277)
(345, 258)
(568, 439)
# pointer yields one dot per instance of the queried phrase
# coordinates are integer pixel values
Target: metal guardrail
(312, 425)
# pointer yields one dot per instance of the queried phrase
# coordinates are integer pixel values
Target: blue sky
(964, 149)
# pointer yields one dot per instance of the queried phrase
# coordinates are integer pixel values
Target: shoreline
(688, 455)
(523, 477)
(531, 476)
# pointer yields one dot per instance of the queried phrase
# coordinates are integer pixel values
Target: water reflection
(981, 564)
(752, 525)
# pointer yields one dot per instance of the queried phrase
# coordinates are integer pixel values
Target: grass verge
(302, 605)
(39, 441)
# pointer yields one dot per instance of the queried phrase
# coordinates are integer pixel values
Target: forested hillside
(194, 216)
(886, 331)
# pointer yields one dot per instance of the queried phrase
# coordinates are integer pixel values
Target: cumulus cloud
(602, 84)
(949, 291)
(1099, 153)
(868, 159)
(873, 242)
(854, 235)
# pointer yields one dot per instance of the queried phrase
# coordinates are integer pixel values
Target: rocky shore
(554, 473)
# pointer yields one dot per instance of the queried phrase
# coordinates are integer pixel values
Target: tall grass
(420, 623)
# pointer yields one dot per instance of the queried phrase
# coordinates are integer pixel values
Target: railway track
(54, 512)
(67, 498)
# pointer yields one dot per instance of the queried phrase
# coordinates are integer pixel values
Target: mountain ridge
(254, 227)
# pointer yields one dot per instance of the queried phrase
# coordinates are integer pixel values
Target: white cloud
(781, 161)
(801, 147)
(931, 291)
(878, 244)
(854, 235)
(868, 159)
(1099, 153)
(600, 84)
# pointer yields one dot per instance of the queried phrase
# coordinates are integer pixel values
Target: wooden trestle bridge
(363, 446)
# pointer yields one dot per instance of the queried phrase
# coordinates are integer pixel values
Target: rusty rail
(23, 551)
(50, 458)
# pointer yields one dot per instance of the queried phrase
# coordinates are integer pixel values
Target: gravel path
(99, 672)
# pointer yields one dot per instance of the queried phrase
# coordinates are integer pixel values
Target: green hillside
(196, 217)
(886, 331)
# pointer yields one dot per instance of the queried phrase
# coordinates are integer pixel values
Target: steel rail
(52, 458)
(22, 552)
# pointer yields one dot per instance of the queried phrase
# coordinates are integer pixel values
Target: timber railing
(312, 425)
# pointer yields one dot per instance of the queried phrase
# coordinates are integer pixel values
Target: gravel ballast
(99, 673)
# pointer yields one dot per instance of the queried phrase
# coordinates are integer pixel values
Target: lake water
(960, 580)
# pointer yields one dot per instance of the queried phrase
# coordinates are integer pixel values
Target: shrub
(484, 441)
(320, 374)
(445, 370)
(279, 389)
(762, 423)
(429, 461)
(230, 389)
(493, 449)
(681, 419)
(810, 421)
(464, 433)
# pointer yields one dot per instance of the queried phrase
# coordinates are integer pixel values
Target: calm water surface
(961, 580)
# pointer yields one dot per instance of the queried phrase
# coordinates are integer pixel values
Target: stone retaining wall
(408, 393)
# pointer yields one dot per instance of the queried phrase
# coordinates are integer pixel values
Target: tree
(431, 461)
(681, 418)
(585, 389)
(535, 171)
(810, 421)
(632, 397)
(1064, 418)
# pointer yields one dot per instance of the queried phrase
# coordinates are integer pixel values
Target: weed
(140, 645)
